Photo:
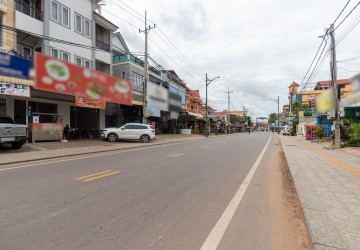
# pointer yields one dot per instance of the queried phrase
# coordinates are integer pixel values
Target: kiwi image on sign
(121, 87)
(95, 90)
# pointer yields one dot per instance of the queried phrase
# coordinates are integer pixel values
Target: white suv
(130, 131)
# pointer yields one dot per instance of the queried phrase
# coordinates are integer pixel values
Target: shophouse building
(130, 66)
(192, 116)
(72, 31)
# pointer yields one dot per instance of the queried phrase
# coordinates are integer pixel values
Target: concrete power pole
(228, 92)
(146, 31)
(333, 69)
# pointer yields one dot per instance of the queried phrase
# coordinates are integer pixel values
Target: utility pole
(207, 82)
(278, 103)
(333, 69)
(146, 31)
(228, 92)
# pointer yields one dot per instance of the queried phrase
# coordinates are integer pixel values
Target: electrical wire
(181, 57)
(342, 11)
(347, 15)
(312, 75)
(317, 52)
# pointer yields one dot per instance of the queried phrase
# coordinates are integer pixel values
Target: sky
(258, 48)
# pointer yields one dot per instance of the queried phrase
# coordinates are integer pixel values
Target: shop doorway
(84, 118)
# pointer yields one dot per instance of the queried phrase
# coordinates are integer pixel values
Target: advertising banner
(325, 101)
(14, 66)
(14, 89)
(62, 77)
(157, 99)
(89, 103)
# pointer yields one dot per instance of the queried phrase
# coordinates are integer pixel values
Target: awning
(195, 115)
(14, 80)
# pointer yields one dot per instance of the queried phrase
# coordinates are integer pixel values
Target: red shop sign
(62, 77)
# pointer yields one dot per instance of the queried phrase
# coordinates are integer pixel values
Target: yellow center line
(101, 176)
(91, 175)
(334, 160)
(175, 155)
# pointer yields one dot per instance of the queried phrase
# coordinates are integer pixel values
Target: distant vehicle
(130, 131)
(285, 131)
(11, 133)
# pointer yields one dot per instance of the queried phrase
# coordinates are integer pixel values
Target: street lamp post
(207, 82)
(278, 114)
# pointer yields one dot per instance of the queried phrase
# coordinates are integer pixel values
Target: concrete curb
(99, 151)
(297, 193)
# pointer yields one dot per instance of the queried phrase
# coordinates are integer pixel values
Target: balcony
(102, 45)
(28, 10)
(134, 59)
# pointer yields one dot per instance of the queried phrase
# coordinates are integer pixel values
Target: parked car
(130, 131)
(15, 134)
(285, 131)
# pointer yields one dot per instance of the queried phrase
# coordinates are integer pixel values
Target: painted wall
(25, 22)
(9, 106)
(64, 109)
(56, 30)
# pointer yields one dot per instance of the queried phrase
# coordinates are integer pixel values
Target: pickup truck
(15, 134)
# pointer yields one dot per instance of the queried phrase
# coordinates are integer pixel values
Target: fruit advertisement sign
(62, 77)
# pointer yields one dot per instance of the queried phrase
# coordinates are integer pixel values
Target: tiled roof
(221, 113)
(294, 84)
(340, 82)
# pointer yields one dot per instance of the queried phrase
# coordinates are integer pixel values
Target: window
(87, 64)
(54, 11)
(55, 52)
(137, 79)
(65, 16)
(65, 56)
(78, 23)
(82, 25)
(78, 61)
(86, 27)
(123, 75)
(82, 62)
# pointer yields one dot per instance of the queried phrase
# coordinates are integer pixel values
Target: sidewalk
(328, 186)
(47, 150)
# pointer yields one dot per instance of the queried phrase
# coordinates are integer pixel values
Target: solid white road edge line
(215, 236)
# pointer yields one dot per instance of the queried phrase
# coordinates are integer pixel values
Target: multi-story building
(73, 31)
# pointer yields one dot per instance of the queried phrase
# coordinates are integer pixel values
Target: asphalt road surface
(225, 192)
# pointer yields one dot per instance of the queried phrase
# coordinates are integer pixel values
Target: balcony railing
(124, 58)
(102, 45)
(28, 10)
(3, 2)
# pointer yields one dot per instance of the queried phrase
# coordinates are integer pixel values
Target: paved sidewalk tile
(328, 186)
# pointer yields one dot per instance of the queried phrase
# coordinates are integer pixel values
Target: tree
(273, 118)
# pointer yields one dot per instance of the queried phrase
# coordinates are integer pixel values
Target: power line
(121, 19)
(317, 52)
(181, 57)
(172, 59)
(348, 15)
(342, 11)
(317, 63)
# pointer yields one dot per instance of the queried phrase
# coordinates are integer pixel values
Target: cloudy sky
(257, 47)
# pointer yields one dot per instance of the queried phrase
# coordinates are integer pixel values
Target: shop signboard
(157, 98)
(14, 66)
(62, 77)
(14, 89)
(89, 103)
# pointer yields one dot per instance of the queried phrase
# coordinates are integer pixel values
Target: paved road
(182, 196)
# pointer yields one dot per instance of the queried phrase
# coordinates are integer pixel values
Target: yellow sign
(325, 101)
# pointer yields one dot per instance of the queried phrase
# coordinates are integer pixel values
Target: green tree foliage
(273, 118)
